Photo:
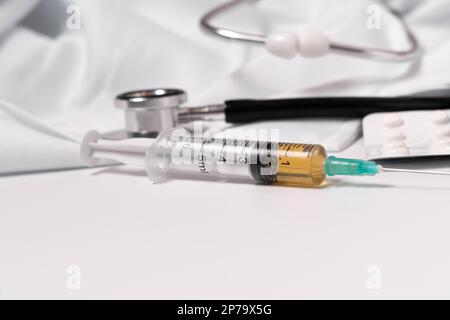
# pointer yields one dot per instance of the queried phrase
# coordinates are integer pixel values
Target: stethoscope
(149, 112)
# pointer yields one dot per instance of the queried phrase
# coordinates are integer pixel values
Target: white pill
(440, 147)
(393, 121)
(313, 44)
(394, 135)
(283, 45)
(440, 117)
(400, 152)
(443, 133)
(395, 145)
(444, 143)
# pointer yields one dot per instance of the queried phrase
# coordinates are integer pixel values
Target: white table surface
(211, 240)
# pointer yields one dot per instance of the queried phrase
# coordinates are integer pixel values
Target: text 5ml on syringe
(173, 155)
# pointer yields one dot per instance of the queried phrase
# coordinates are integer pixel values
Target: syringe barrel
(234, 159)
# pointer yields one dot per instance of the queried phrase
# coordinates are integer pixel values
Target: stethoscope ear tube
(240, 111)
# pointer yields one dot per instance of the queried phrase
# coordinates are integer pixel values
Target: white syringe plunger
(96, 151)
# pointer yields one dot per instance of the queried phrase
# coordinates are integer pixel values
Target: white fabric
(56, 83)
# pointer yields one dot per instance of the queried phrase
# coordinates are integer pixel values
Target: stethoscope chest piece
(148, 112)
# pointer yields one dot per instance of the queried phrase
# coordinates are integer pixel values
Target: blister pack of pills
(407, 134)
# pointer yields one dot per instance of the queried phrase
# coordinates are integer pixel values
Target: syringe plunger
(95, 150)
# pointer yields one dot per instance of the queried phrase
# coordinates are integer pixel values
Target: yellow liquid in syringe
(301, 164)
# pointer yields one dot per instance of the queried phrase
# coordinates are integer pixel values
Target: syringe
(173, 154)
